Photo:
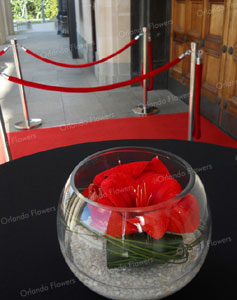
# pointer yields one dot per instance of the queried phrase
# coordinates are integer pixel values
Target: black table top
(31, 263)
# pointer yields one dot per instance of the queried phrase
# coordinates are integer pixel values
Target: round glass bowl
(147, 251)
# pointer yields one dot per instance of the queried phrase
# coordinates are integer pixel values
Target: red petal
(152, 182)
(156, 223)
(119, 188)
(115, 226)
(132, 169)
(93, 192)
(185, 216)
(105, 201)
(160, 188)
(101, 176)
(156, 166)
(86, 192)
(167, 190)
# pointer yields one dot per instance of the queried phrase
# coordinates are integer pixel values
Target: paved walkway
(60, 108)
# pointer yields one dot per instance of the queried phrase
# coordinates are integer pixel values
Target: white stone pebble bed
(154, 281)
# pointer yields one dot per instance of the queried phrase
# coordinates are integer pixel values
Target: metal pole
(146, 109)
(27, 124)
(4, 137)
(145, 54)
(194, 48)
(21, 87)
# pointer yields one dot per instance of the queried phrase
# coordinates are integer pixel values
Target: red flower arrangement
(143, 184)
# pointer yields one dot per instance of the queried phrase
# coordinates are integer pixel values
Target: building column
(6, 21)
(10, 27)
(2, 25)
(113, 30)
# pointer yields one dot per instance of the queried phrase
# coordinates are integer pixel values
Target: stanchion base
(34, 123)
(151, 110)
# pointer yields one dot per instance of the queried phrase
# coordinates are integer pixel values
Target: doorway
(155, 15)
(211, 24)
(72, 28)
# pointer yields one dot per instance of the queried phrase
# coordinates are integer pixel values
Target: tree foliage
(32, 9)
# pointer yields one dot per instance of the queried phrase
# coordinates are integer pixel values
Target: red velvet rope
(82, 65)
(151, 85)
(93, 89)
(198, 85)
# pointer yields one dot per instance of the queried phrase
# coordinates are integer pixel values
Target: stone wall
(6, 23)
(112, 33)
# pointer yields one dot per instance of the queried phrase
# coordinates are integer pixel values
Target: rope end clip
(5, 49)
(4, 75)
(188, 52)
(23, 48)
(138, 36)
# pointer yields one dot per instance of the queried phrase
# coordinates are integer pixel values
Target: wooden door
(194, 30)
(212, 24)
(188, 26)
(228, 86)
(178, 41)
(216, 20)
(199, 21)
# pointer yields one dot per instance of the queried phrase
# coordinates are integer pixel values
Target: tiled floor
(61, 108)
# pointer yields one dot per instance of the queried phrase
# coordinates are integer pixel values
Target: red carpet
(171, 126)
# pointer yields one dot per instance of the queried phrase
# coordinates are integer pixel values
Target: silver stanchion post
(191, 124)
(27, 123)
(142, 109)
(4, 137)
(145, 109)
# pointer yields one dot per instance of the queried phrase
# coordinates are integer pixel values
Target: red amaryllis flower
(142, 184)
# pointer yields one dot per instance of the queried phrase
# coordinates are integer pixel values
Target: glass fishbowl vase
(134, 223)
